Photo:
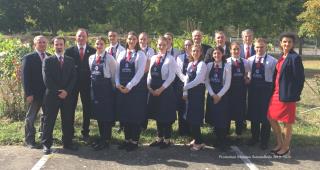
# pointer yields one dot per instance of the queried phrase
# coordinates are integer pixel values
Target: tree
(310, 19)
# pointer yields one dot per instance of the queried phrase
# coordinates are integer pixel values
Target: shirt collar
(84, 47)
(114, 45)
(58, 56)
(39, 53)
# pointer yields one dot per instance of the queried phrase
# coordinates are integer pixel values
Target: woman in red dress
(288, 85)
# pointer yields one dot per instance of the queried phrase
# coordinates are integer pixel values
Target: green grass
(306, 130)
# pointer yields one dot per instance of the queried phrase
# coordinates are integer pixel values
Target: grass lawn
(306, 129)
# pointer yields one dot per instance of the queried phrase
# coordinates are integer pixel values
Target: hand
(62, 94)
(29, 99)
(125, 90)
(246, 80)
(151, 91)
(216, 99)
(158, 91)
(185, 97)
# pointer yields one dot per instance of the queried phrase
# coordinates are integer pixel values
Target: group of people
(134, 83)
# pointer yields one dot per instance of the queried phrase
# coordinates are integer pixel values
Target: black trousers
(105, 130)
(183, 124)
(196, 133)
(52, 107)
(164, 130)
(221, 134)
(239, 127)
(261, 132)
(86, 105)
(132, 131)
(31, 117)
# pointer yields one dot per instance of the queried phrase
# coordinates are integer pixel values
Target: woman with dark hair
(131, 95)
(194, 93)
(172, 51)
(162, 99)
(103, 67)
(288, 84)
(218, 79)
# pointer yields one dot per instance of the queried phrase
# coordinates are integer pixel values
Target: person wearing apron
(162, 99)
(172, 51)
(102, 66)
(131, 93)
(238, 90)
(218, 80)
(261, 72)
(149, 52)
(194, 94)
(182, 63)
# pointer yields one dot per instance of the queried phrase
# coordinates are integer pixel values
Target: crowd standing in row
(134, 83)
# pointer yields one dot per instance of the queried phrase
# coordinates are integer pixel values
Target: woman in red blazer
(288, 84)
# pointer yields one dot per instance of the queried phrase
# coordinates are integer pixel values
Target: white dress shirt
(118, 47)
(109, 67)
(269, 66)
(245, 63)
(179, 70)
(174, 52)
(84, 48)
(226, 78)
(148, 51)
(167, 70)
(140, 60)
(200, 77)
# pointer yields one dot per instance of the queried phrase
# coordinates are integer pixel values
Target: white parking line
(244, 158)
(41, 162)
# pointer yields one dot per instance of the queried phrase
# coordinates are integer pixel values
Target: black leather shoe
(85, 138)
(156, 143)
(283, 154)
(46, 150)
(131, 147)
(32, 146)
(165, 145)
(101, 146)
(71, 147)
(123, 145)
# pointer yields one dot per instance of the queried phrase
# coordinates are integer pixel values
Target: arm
(26, 74)
(207, 80)
(201, 74)
(226, 86)
(48, 76)
(112, 67)
(140, 65)
(72, 78)
(298, 73)
(171, 68)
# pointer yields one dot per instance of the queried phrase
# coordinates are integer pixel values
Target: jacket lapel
(286, 60)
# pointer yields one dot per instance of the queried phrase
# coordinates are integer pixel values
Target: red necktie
(248, 52)
(81, 53)
(158, 59)
(216, 67)
(61, 61)
(259, 63)
(98, 59)
(42, 56)
(111, 51)
(128, 56)
(237, 63)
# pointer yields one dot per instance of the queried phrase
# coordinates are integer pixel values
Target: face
(260, 48)
(132, 40)
(58, 45)
(41, 44)
(217, 55)
(286, 44)
(196, 53)
(100, 46)
(235, 50)
(169, 39)
(113, 37)
(162, 46)
(187, 45)
(143, 40)
(220, 39)
(247, 38)
(197, 37)
(81, 37)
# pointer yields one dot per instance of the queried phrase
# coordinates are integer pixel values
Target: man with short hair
(247, 48)
(220, 40)
(197, 39)
(34, 87)
(115, 47)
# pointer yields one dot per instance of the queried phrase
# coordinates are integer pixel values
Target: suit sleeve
(48, 75)
(73, 77)
(298, 72)
(26, 74)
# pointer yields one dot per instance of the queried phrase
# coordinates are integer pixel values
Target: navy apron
(163, 107)
(131, 107)
(237, 92)
(178, 86)
(259, 93)
(102, 93)
(217, 114)
(195, 105)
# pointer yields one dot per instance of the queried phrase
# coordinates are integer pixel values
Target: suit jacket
(242, 53)
(57, 78)
(82, 67)
(208, 56)
(291, 79)
(32, 79)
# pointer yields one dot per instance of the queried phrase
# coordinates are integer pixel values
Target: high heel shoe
(275, 151)
(283, 154)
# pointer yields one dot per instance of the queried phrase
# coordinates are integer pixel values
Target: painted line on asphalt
(42, 161)
(244, 158)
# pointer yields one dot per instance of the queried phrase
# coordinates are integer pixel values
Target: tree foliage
(310, 19)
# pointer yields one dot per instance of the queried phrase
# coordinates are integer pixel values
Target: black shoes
(71, 147)
(132, 147)
(123, 145)
(100, 146)
(165, 145)
(32, 146)
(46, 150)
(156, 143)
(85, 138)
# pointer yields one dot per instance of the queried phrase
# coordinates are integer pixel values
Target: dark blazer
(291, 78)
(205, 48)
(208, 56)
(32, 79)
(83, 70)
(56, 78)
(243, 55)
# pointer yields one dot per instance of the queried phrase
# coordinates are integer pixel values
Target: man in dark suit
(80, 54)
(197, 39)
(59, 75)
(247, 48)
(220, 40)
(34, 87)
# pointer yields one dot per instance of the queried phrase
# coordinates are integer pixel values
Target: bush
(12, 103)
